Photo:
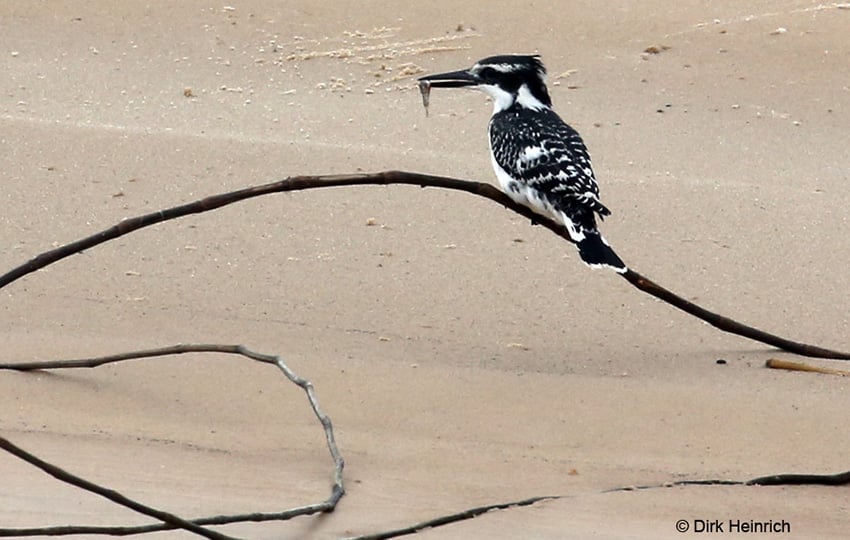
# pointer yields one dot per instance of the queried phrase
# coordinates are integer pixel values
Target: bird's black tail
(596, 253)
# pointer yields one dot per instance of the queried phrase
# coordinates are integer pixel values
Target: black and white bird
(540, 161)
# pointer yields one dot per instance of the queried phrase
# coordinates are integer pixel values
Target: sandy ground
(465, 357)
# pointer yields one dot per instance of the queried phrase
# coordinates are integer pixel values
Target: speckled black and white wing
(542, 162)
(546, 160)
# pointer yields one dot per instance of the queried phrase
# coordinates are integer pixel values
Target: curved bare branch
(488, 191)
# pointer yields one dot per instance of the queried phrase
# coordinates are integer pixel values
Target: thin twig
(338, 487)
(488, 191)
(784, 479)
(773, 480)
(708, 482)
(175, 522)
(129, 530)
(328, 505)
(728, 325)
(453, 518)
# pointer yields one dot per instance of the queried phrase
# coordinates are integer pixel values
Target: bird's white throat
(502, 99)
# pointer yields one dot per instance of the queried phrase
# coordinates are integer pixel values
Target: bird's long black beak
(451, 79)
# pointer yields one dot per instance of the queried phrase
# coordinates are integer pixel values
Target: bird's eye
(486, 73)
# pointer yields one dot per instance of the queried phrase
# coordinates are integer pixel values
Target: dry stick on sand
(775, 363)
(298, 183)
(170, 521)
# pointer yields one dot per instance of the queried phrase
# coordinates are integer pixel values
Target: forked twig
(488, 191)
(338, 489)
(195, 525)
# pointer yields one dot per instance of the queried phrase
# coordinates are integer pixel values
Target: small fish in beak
(452, 79)
(425, 90)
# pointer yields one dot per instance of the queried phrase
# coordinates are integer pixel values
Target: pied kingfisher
(540, 161)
